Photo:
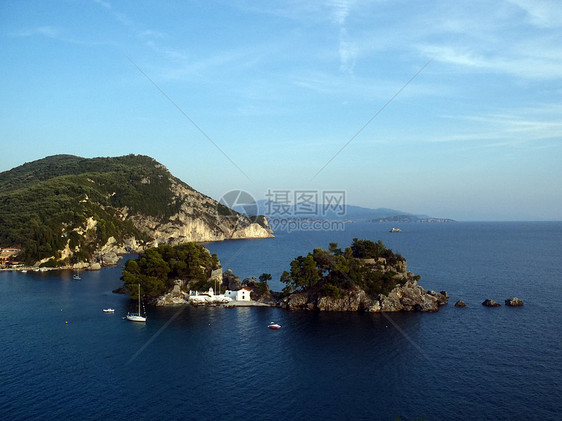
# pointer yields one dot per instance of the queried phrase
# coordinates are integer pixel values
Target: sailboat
(76, 276)
(137, 317)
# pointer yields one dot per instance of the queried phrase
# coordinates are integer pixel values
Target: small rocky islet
(510, 302)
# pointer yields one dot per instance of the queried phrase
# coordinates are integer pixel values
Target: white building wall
(240, 295)
(243, 295)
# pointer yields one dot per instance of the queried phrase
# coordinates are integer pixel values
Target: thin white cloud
(207, 67)
(501, 39)
(452, 55)
(543, 13)
(119, 16)
(509, 128)
(103, 3)
(340, 10)
(298, 10)
(347, 51)
(45, 31)
(153, 34)
(529, 63)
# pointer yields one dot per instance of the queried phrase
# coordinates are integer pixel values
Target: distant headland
(412, 218)
(65, 211)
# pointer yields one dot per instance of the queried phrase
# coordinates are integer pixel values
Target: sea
(62, 357)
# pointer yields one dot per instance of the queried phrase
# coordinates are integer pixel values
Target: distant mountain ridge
(67, 210)
(330, 212)
(412, 218)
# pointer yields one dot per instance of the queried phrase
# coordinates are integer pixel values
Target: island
(365, 276)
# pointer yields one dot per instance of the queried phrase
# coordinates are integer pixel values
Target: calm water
(209, 363)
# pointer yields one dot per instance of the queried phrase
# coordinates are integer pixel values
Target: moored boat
(136, 317)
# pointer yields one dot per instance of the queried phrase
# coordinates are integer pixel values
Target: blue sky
(281, 86)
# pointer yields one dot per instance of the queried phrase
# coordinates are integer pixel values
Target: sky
(449, 109)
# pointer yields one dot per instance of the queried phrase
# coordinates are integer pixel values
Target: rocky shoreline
(105, 260)
(408, 297)
(389, 305)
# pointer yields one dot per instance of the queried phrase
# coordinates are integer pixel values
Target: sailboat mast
(139, 300)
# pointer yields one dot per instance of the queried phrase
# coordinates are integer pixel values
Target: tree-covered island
(366, 265)
(158, 269)
(365, 276)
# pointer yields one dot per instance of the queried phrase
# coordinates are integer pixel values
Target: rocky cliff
(407, 297)
(198, 218)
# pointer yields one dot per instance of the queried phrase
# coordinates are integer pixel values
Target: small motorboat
(274, 325)
(109, 310)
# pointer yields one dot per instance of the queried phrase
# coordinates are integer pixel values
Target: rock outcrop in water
(514, 302)
(490, 303)
(410, 297)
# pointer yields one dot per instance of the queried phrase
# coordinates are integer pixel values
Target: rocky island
(364, 277)
(65, 211)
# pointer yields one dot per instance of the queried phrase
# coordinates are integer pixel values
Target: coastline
(90, 268)
(251, 303)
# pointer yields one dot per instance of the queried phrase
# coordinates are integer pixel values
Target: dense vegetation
(333, 271)
(158, 267)
(44, 203)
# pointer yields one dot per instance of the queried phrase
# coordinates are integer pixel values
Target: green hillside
(44, 204)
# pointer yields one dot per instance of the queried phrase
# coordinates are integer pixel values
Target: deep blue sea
(215, 363)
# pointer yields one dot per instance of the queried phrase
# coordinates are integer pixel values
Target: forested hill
(66, 209)
(112, 182)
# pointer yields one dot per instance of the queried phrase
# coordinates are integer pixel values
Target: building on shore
(8, 254)
(242, 294)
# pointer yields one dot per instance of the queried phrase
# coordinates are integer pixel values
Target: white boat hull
(135, 318)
